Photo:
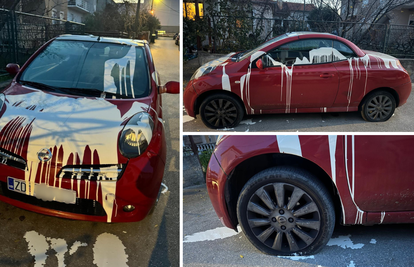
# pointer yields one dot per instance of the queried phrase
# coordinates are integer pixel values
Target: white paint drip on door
(210, 235)
(109, 251)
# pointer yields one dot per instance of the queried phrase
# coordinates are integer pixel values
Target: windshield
(251, 52)
(113, 68)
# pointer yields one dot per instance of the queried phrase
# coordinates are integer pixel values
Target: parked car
(297, 73)
(287, 192)
(81, 130)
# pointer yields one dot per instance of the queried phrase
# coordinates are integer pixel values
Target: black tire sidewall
(240, 110)
(364, 107)
(304, 181)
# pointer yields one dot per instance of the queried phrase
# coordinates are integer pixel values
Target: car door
(379, 172)
(300, 75)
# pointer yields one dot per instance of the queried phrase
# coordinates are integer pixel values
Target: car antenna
(99, 38)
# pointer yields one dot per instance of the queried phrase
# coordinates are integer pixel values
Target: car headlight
(202, 71)
(136, 135)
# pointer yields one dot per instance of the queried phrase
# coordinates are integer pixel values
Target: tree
(319, 18)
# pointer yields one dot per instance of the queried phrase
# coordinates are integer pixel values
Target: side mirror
(170, 88)
(12, 69)
(259, 63)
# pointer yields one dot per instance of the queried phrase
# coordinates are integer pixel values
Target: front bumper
(189, 99)
(139, 186)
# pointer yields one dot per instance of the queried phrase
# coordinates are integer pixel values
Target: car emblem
(44, 154)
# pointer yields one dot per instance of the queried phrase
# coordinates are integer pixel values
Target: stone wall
(192, 173)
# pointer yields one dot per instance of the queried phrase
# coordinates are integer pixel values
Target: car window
(120, 69)
(308, 51)
(344, 49)
(251, 52)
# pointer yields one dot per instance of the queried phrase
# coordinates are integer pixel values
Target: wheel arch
(208, 93)
(246, 169)
(388, 89)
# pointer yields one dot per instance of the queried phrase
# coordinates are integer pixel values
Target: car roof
(93, 38)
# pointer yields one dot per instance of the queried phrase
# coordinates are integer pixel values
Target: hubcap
(220, 113)
(379, 107)
(283, 217)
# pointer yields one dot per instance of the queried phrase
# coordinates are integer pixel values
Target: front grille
(82, 206)
(92, 173)
(11, 159)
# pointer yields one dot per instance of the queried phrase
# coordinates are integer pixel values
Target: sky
(167, 11)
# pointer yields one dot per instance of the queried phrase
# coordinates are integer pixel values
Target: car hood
(80, 130)
(211, 65)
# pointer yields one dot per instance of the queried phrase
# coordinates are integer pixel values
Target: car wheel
(286, 211)
(378, 106)
(221, 111)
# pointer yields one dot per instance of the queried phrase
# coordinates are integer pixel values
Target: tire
(221, 111)
(276, 226)
(378, 106)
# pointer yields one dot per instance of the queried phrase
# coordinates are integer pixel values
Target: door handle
(326, 75)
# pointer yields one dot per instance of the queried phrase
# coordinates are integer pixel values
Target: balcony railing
(82, 5)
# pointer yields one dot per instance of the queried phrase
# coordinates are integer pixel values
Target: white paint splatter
(382, 216)
(75, 247)
(165, 190)
(289, 144)
(344, 242)
(351, 264)
(247, 122)
(61, 247)
(373, 241)
(210, 235)
(296, 258)
(109, 251)
(225, 80)
(38, 247)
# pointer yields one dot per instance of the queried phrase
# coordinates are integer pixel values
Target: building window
(190, 10)
(54, 15)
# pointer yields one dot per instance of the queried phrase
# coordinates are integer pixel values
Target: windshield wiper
(94, 92)
(40, 85)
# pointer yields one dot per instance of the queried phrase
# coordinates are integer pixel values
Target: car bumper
(189, 99)
(404, 92)
(216, 186)
(139, 186)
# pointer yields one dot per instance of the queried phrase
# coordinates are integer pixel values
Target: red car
(81, 130)
(287, 191)
(297, 73)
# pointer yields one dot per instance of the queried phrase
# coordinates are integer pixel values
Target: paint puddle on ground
(248, 122)
(296, 258)
(344, 242)
(210, 235)
(165, 190)
(108, 249)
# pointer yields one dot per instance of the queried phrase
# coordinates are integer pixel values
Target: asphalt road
(153, 241)
(401, 121)
(351, 246)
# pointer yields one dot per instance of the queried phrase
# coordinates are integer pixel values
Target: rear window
(120, 69)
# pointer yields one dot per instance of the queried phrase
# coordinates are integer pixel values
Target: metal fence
(187, 151)
(397, 40)
(21, 34)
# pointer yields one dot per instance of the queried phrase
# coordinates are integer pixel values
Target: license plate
(17, 185)
(42, 191)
